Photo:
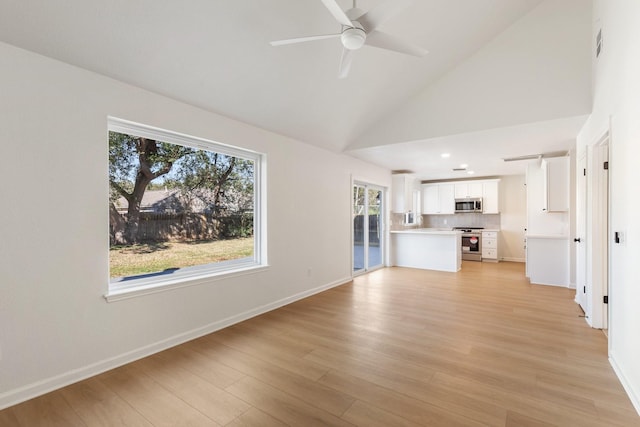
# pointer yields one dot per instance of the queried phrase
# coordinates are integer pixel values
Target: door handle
(577, 239)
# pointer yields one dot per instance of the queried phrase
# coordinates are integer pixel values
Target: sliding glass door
(368, 227)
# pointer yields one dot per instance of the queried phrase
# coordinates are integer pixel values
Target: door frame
(582, 200)
(598, 232)
(383, 227)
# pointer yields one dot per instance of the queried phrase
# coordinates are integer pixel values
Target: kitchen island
(427, 248)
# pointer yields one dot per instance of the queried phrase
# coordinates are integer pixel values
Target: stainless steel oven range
(471, 243)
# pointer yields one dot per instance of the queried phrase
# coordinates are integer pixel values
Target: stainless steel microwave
(469, 205)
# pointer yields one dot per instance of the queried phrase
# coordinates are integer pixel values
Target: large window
(181, 209)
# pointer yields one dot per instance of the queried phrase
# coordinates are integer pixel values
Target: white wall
(55, 326)
(513, 217)
(616, 87)
(532, 72)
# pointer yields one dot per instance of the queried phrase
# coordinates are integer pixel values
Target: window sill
(147, 287)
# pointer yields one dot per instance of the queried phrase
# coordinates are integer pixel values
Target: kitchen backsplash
(461, 220)
(448, 221)
(396, 222)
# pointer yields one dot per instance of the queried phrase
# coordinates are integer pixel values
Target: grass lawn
(151, 258)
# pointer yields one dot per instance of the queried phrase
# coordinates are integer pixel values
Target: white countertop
(445, 231)
(441, 230)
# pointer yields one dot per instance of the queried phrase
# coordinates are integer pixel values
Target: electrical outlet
(309, 272)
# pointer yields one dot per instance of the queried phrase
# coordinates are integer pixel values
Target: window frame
(189, 276)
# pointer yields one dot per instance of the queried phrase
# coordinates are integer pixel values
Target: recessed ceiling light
(445, 155)
(470, 172)
(464, 166)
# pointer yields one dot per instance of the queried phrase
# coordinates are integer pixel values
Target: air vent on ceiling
(400, 171)
(459, 169)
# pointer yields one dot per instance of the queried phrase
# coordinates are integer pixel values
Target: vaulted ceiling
(502, 77)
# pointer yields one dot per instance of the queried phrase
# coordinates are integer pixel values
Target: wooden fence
(374, 230)
(165, 227)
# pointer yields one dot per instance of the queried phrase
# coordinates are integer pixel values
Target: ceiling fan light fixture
(353, 38)
(359, 28)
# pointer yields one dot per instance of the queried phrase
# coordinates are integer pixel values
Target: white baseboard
(511, 259)
(633, 394)
(38, 388)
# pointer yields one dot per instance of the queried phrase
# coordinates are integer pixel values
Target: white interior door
(600, 234)
(581, 232)
(605, 232)
(597, 237)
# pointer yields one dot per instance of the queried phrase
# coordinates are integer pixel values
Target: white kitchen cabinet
(490, 246)
(447, 198)
(490, 197)
(539, 221)
(468, 189)
(430, 199)
(555, 172)
(402, 197)
(438, 199)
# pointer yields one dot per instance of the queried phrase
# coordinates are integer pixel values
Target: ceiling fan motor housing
(353, 38)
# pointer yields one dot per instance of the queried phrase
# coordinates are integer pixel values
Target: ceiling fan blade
(303, 39)
(337, 12)
(345, 63)
(381, 13)
(389, 42)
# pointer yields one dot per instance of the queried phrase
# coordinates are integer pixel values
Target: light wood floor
(398, 347)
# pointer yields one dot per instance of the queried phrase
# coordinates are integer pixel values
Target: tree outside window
(174, 206)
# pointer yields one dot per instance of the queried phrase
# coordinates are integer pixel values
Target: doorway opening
(368, 227)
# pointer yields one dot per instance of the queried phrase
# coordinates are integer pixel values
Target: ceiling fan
(360, 28)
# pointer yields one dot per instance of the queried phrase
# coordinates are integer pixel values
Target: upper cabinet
(438, 199)
(431, 199)
(541, 222)
(555, 173)
(490, 197)
(405, 195)
(447, 199)
(468, 189)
